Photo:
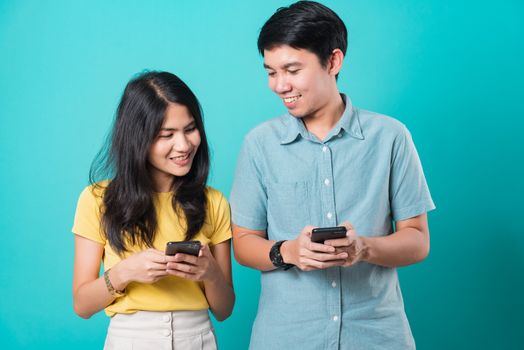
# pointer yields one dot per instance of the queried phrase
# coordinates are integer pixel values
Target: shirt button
(333, 284)
(339, 135)
(329, 215)
(167, 332)
(326, 181)
(166, 318)
(335, 318)
(324, 149)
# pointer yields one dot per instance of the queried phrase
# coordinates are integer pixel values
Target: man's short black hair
(305, 25)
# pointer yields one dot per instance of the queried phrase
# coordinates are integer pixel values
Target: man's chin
(295, 114)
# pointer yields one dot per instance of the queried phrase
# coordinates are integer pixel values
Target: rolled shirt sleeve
(409, 192)
(249, 195)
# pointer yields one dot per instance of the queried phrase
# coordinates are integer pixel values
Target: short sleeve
(87, 216)
(409, 192)
(221, 217)
(248, 195)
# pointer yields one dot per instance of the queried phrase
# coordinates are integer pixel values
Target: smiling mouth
(291, 99)
(179, 158)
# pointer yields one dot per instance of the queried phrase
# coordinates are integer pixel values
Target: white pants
(177, 330)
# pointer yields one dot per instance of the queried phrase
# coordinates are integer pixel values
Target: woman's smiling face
(174, 148)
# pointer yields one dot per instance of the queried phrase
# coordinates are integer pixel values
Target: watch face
(274, 254)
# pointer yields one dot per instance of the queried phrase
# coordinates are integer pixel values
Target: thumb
(352, 236)
(347, 225)
(204, 250)
(307, 230)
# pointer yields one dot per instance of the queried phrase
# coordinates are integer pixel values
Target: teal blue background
(451, 71)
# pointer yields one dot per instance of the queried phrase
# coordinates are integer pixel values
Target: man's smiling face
(299, 79)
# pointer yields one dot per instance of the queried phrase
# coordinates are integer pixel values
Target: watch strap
(276, 257)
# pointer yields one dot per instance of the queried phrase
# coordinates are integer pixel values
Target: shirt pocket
(288, 209)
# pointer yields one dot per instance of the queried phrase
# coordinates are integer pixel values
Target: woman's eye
(165, 136)
(190, 130)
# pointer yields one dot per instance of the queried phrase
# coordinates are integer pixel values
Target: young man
(326, 163)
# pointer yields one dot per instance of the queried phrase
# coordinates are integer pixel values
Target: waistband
(149, 324)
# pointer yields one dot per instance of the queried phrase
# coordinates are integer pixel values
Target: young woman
(158, 162)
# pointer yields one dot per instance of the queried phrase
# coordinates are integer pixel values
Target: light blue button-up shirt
(366, 171)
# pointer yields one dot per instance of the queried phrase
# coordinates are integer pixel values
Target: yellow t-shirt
(170, 293)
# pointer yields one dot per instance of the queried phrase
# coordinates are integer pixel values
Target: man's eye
(294, 71)
(271, 74)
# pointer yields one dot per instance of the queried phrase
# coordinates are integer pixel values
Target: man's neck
(322, 121)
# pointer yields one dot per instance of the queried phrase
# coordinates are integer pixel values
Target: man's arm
(409, 244)
(252, 249)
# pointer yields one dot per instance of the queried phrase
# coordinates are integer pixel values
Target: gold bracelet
(110, 288)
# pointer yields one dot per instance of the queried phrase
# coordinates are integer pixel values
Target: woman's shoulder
(214, 196)
(94, 191)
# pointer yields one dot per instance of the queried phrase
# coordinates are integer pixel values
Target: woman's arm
(219, 291)
(90, 293)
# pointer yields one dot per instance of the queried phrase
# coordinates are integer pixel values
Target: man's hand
(352, 244)
(307, 255)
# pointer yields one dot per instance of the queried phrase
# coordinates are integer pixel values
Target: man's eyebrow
(292, 64)
(286, 66)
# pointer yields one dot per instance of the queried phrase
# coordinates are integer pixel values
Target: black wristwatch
(276, 257)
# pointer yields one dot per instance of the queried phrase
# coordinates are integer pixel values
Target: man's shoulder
(378, 123)
(273, 128)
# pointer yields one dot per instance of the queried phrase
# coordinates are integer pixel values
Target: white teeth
(181, 157)
(291, 99)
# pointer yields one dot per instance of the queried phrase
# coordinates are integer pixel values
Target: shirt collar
(348, 123)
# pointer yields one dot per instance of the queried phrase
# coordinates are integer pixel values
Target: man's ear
(335, 61)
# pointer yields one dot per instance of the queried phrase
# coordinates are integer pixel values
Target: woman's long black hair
(128, 213)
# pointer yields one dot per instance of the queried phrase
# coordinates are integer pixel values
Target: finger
(350, 262)
(156, 256)
(154, 266)
(153, 275)
(327, 257)
(319, 247)
(158, 273)
(339, 242)
(307, 230)
(190, 269)
(181, 274)
(351, 234)
(204, 251)
(187, 258)
(322, 264)
(347, 225)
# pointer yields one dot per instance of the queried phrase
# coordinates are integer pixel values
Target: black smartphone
(185, 247)
(321, 234)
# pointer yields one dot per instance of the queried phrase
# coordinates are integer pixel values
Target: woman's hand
(196, 268)
(147, 266)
